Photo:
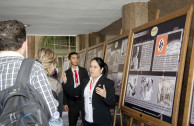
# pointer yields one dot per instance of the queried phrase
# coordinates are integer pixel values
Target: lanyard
(91, 86)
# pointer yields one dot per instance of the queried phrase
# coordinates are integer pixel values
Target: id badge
(90, 98)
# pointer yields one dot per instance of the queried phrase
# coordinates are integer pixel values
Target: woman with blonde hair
(48, 59)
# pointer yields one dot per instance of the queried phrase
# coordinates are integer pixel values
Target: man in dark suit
(75, 76)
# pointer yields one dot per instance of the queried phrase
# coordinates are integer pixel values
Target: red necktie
(76, 76)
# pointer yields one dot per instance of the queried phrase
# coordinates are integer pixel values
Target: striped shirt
(10, 63)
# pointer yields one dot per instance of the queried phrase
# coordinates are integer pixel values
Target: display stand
(155, 67)
(131, 119)
(116, 109)
(114, 57)
(189, 102)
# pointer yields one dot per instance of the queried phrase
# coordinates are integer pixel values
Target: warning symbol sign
(161, 45)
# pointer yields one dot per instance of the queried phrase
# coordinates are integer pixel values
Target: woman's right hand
(64, 78)
(66, 108)
(101, 91)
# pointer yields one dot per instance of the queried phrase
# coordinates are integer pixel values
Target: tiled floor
(79, 123)
(66, 122)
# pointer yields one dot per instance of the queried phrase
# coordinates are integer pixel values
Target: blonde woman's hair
(47, 57)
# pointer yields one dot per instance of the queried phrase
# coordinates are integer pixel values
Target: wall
(107, 33)
(111, 30)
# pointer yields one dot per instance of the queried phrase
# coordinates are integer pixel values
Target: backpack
(21, 104)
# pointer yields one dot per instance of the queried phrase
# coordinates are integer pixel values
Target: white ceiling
(63, 17)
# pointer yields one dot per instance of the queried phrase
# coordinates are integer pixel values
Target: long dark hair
(102, 64)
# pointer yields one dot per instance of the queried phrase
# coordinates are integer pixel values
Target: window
(61, 45)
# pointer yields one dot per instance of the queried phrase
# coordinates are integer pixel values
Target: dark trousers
(85, 123)
(74, 112)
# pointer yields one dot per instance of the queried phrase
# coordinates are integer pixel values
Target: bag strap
(23, 76)
(25, 71)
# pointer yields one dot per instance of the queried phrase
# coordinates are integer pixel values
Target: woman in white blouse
(98, 95)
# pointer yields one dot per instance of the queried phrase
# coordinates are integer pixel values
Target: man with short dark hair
(12, 48)
(75, 76)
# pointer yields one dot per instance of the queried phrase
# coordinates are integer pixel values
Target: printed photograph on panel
(124, 47)
(108, 53)
(81, 63)
(136, 57)
(109, 76)
(114, 77)
(118, 79)
(93, 53)
(169, 43)
(119, 58)
(174, 43)
(146, 88)
(90, 55)
(81, 59)
(165, 91)
(131, 86)
(99, 53)
(111, 58)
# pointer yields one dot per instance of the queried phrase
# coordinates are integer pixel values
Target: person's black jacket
(68, 87)
(101, 106)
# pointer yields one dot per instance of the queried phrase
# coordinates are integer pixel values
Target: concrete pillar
(134, 15)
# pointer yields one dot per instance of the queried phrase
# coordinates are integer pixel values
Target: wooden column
(93, 38)
(30, 46)
(83, 41)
